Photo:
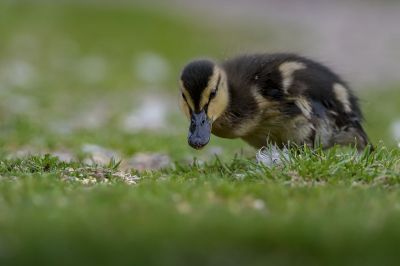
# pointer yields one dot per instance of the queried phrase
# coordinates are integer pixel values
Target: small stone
(127, 177)
(70, 170)
(63, 156)
(239, 177)
(99, 155)
(147, 161)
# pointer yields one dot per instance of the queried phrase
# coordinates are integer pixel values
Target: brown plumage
(270, 98)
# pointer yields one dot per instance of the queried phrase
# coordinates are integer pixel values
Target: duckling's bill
(199, 130)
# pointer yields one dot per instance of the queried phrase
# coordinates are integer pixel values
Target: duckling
(270, 98)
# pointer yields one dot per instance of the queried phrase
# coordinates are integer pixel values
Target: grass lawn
(72, 75)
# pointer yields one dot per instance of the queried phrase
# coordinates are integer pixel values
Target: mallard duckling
(270, 98)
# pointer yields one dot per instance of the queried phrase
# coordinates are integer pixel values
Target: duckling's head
(204, 98)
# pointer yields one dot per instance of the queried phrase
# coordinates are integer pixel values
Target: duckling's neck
(240, 107)
(242, 104)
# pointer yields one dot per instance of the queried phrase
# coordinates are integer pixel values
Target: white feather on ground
(272, 156)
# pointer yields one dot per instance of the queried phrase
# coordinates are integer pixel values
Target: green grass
(380, 116)
(332, 207)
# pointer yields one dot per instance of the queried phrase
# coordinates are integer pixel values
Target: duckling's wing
(331, 96)
(298, 86)
(335, 112)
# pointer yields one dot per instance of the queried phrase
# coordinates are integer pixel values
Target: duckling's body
(273, 98)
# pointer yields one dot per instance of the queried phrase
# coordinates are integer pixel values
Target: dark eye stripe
(214, 92)
(184, 97)
(219, 80)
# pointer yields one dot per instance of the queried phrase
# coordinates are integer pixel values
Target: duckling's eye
(213, 94)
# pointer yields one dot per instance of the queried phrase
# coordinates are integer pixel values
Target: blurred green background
(74, 73)
(99, 80)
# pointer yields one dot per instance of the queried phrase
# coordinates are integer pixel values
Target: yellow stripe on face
(218, 105)
(212, 83)
(189, 100)
(184, 107)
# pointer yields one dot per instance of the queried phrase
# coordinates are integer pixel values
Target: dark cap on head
(195, 77)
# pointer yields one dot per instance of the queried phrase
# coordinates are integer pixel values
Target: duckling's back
(283, 98)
